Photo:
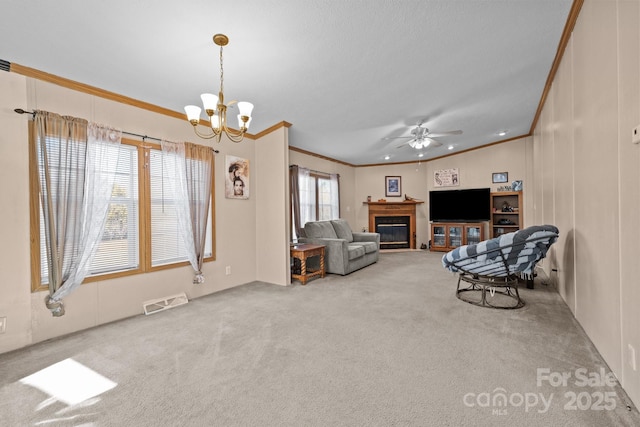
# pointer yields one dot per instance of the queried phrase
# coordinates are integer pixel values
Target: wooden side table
(303, 251)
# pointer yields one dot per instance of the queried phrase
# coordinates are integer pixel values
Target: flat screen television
(470, 205)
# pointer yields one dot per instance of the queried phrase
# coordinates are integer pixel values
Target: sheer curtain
(77, 161)
(334, 179)
(192, 166)
(302, 198)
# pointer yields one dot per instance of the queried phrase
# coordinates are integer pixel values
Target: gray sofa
(345, 250)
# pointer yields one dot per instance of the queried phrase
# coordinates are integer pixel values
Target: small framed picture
(500, 177)
(392, 186)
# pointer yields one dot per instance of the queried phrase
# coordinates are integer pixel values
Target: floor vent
(161, 304)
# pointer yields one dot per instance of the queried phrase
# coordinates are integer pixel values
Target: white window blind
(324, 199)
(308, 197)
(167, 245)
(118, 249)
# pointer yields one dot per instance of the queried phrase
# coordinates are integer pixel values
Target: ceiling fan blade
(397, 137)
(433, 142)
(437, 134)
(407, 144)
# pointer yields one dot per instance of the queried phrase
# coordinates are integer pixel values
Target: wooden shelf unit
(513, 199)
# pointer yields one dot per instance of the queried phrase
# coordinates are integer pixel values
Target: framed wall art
(498, 177)
(446, 178)
(236, 183)
(392, 186)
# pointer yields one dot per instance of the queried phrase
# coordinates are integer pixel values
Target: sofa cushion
(343, 231)
(355, 251)
(320, 229)
(369, 247)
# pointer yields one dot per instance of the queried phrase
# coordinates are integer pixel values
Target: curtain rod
(314, 171)
(33, 114)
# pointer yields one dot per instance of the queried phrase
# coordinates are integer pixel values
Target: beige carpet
(388, 345)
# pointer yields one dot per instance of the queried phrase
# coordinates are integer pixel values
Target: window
(317, 198)
(119, 250)
(141, 205)
(167, 246)
(324, 203)
(320, 202)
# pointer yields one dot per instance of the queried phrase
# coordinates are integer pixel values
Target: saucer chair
(492, 268)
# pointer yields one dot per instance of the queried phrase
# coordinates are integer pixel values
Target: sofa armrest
(367, 237)
(336, 251)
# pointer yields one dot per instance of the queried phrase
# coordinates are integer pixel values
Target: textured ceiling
(345, 73)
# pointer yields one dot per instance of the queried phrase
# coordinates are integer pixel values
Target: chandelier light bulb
(215, 122)
(193, 113)
(209, 101)
(245, 108)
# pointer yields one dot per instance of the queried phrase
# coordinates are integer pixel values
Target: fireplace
(394, 231)
(395, 221)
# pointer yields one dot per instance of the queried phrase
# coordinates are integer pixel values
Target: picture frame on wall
(446, 178)
(237, 182)
(392, 186)
(516, 185)
(498, 177)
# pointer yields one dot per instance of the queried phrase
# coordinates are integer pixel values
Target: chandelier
(216, 109)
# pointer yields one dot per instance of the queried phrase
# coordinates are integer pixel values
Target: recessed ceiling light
(450, 147)
(387, 157)
(421, 154)
(502, 133)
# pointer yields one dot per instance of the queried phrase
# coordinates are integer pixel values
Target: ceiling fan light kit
(216, 109)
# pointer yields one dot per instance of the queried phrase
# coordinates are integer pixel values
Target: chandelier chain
(221, 72)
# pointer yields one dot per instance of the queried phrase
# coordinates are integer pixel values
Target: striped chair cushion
(511, 253)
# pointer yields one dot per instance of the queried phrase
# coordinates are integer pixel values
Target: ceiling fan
(421, 137)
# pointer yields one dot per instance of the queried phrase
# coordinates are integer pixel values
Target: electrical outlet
(635, 135)
(3, 324)
(632, 357)
(227, 270)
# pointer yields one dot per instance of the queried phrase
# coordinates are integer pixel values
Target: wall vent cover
(161, 304)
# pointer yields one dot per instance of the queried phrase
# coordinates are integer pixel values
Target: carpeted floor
(389, 345)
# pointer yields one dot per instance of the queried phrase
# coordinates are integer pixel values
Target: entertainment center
(459, 217)
(448, 236)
